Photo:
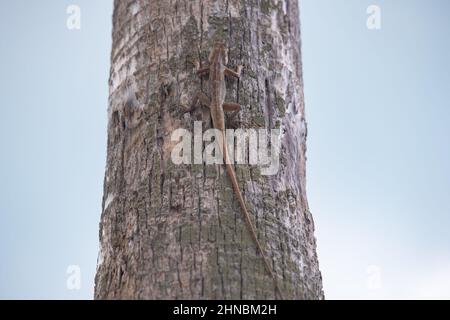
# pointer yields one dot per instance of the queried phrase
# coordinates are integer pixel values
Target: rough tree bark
(175, 231)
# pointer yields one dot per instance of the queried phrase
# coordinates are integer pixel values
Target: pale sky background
(378, 165)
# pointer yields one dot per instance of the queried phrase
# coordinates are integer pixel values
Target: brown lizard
(217, 70)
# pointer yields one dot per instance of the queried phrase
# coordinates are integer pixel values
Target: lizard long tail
(248, 222)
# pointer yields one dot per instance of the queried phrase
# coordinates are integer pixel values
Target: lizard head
(219, 53)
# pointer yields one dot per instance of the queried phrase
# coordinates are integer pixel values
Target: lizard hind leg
(199, 97)
(235, 107)
(231, 106)
(204, 100)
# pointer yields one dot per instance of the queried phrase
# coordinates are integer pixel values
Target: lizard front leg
(202, 71)
(236, 74)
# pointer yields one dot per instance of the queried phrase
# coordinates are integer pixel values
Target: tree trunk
(176, 231)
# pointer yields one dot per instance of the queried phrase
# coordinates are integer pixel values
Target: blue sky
(378, 156)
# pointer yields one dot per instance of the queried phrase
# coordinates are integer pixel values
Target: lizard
(217, 70)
